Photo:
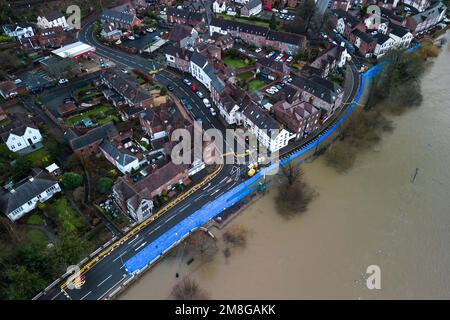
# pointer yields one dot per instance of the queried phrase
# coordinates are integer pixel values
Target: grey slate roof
(367, 38)
(199, 59)
(27, 190)
(286, 37)
(95, 135)
(319, 87)
(117, 16)
(123, 157)
(399, 31)
(260, 118)
(184, 14)
(239, 26)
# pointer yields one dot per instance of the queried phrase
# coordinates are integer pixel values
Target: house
(219, 6)
(122, 159)
(53, 37)
(110, 32)
(364, 42)
(224, 42)
(152, 124)
(120, 20)
(401, 36)
(24, 197)
(201, 69)
(22, 137)
(178, 58)
(127, 87)
(182, 16)
(52, 19)
(321, 93)
(87, 144)
(384, 44)
(267, 130)
(251, 8)
(420, 5)
(8, 89)
(300, 117)
(427, 19)
(333, 57)
(136, 199)
(19, 30)
(184, 36)
(286, 42)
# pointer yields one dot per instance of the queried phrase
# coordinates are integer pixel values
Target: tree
(105, 185)
(236, 235)
(163, 91)
(21, 168)
(273, 22)
(202, 244)
(294, 195)
(70, 248)
(188, 289)
(23, 284)
(305, 13)
(71, 180)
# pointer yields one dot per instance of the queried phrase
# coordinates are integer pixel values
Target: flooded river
(375, 214)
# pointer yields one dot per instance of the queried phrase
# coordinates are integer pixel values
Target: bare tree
(236, 235)
(292, 173)
(200, 243)
(188, 289)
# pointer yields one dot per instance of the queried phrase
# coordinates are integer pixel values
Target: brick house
(363, 41)
(51, 37)
(8, 89)
(182, 16)
(178, 58)
(120, 20)
(87, 144)
(286, 42)
(136, 199)
(301, 118)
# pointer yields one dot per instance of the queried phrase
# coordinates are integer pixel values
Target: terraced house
(120, 20)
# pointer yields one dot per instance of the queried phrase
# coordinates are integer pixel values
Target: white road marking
(104, 281)
(140, 246)
(86, 295)
(119, 256)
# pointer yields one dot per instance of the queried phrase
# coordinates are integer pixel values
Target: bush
(71, 180)
(105, 185)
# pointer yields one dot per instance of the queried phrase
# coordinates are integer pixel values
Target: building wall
(16, 143)
(31, 204)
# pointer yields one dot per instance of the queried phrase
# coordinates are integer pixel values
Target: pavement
(108, 271)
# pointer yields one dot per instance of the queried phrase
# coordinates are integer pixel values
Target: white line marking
(119, 256)
(86, 295)
(104, 281)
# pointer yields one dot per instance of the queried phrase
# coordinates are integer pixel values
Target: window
(34, 138)
(19, 144)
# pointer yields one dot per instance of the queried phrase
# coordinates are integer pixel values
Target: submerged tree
(188, 289)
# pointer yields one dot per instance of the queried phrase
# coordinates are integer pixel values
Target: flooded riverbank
(375, 214)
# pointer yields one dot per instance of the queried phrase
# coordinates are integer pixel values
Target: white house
(22, 137)
(401, 36)
(384, 44)
(21, 199)
(251, 8)
(219, 6)
(19, 30)
(123, 160)
(267, 130)
(200, 69)
(52, 19)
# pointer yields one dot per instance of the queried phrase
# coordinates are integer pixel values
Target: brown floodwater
(372, 215)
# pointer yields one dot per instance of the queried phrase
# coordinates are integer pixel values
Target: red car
(194, 88)
(267, 7)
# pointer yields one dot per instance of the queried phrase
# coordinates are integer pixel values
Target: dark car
(69, 100)
(169, 87)
(186, 103)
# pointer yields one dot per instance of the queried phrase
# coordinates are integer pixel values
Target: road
(109, 271)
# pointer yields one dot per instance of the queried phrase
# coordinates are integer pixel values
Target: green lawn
(67, 215)
(36, 220)
(91, 113)
(39, 158)
(234, 63)
(255, 85)
(78, 91)
(245, 75)
(107, 119)
(37, 237)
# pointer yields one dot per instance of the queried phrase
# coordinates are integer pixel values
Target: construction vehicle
(252, 169)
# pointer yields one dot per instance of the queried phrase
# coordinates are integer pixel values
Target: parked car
(62, 81)
(275, 10)
(207, 103)
(187, 81)
(69, 100)
(290, 59)
(124, 70)
(200, 94)
(186, 103)
(213, 112)
(284, 11)
(270, 91)
(258, 50)
(169, 87)
(194, 88)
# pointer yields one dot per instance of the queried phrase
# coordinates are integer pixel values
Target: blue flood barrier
(199, 218)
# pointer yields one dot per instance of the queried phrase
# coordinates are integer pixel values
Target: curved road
(109, 270)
